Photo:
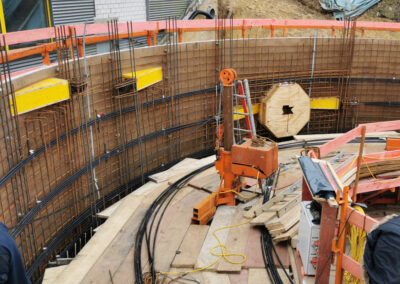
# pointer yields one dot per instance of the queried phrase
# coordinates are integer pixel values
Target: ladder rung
(241, 113)
(244, 130)
(239, 96)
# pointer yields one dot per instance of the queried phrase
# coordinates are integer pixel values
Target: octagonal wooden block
(285, 110)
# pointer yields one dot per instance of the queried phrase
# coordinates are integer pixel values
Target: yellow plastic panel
(145, 78)
(240, 109)
(40, 94)
(325, 103)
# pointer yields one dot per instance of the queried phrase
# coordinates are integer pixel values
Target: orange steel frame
(98, 32)
(332, 238)
(229, 172)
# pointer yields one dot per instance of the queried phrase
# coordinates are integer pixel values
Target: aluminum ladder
(244, 96)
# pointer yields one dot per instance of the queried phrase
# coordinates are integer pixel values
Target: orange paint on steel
(359, 162)
(228, 76)
(339, 243)
(153, 27)
(392, 144)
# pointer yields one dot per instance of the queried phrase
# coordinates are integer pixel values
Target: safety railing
(332, 238)
(349, 216)
(96, 33)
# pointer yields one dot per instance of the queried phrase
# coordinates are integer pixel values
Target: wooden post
(360, 153)
(326, 234)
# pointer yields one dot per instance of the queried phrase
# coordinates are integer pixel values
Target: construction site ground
(108, 256)
(386, 10)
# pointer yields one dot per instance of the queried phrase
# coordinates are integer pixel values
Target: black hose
(200, 12)
(267, 246)
(145, 231)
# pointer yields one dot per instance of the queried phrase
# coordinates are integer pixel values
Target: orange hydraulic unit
(254, 158)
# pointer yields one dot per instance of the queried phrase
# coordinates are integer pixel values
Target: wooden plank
(181, 169)
(222, 218)
(286, 219)
(51, 273)
(254, 254)
(265, 217)
(236, 243)
(103, 253)
(239, 278)
(144, 189)
(335, 135)
(215, 278)
(91, 252)
(109, 210)
(191, 278)
(190, 247)
(184, 166)
(251, 213)
(283, 203)
(293, 264)
(259, 275)
(200, 180)
(294, 241)
(124, 273)
(173, 229)
(288, 235)
(246, 196)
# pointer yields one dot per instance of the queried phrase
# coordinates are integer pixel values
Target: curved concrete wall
(58, 178)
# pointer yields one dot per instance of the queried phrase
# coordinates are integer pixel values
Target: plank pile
(280, 216)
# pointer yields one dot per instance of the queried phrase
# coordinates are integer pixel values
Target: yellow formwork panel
(240, 109)
(40, 94)
(325, 103)
(146, 77)
(316, 103)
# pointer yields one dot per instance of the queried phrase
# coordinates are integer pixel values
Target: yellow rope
(369, 169)
(349, 166)
(356, 237)
(223, 254)
(223, 248)
(379, 180)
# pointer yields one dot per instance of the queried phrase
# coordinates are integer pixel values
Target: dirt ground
(384, 11)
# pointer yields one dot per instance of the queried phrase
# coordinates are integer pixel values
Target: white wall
(124, 10)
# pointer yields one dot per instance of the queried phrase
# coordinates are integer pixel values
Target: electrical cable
(152, 214)
(267, 246)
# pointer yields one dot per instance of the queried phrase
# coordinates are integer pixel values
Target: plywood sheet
(236, 243)
(190, 247)
(223, 217)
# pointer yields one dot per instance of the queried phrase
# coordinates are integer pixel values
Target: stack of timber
(280, 215)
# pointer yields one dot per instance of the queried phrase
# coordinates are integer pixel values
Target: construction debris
(280, 216)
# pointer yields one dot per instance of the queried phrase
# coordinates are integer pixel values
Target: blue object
(12, 269)
(343, 9)
(382, 253)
